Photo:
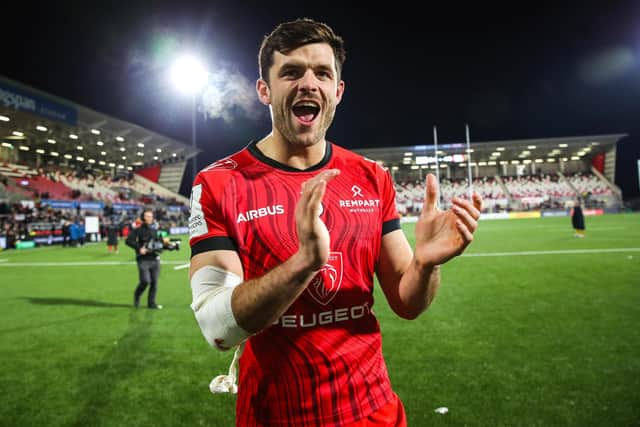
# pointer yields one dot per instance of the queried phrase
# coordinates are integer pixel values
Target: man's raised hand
(441, 235)
(313, 237)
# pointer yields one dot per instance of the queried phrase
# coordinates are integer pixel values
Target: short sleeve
(208, 225)
(390, 216)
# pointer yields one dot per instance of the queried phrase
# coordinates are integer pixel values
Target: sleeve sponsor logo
(197, 222)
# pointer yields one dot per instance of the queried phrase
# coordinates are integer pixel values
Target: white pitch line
(181, 264)
(558, 252)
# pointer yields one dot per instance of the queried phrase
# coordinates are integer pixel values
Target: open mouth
(306, 111)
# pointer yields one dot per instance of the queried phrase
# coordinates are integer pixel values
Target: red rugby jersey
(321, 363)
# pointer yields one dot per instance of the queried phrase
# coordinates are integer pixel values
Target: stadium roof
(569, 148)
(34, 121)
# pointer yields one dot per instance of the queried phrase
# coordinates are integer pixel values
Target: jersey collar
(255, 151)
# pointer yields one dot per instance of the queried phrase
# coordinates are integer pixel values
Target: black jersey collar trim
(255, 151)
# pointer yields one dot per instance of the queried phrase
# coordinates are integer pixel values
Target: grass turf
(539, 339)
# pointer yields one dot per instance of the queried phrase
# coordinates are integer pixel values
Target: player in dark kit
(286, 236)
(577, 219)
(112, 236)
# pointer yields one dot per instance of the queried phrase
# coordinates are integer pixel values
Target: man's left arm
(410, 280)
(132, 240)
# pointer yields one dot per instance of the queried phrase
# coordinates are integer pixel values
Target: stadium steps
(171, 176)
(616, 190)
(505, 190)
(610, 166)
(567, 182)
(159, 190)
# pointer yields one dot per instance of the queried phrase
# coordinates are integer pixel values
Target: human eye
(289, 73)
(324, 74)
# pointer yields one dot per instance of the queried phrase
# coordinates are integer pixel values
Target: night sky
(528, 70)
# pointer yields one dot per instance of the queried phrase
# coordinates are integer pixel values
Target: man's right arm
(259, 302)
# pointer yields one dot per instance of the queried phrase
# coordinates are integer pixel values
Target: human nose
(308, 82)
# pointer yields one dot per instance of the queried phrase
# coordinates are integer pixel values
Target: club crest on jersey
(223, 164)
(324, 286)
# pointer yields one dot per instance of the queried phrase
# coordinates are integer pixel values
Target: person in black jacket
(147, 244)
(577, 220)
(112, 230)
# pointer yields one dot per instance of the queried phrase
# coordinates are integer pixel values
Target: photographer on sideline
(148, 245)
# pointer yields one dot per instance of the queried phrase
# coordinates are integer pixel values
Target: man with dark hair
(286, 236)
(143, 240)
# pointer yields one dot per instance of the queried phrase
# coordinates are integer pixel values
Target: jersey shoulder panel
(218, 173)
(351, 158)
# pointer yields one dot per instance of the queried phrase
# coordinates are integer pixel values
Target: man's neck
(294, 155)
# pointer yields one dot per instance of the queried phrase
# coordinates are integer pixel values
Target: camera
(173, 245)
(158, 245)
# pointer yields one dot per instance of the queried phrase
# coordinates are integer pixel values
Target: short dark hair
(291, 35)
(144, 211)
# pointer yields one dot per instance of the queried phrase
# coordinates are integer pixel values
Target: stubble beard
(284, 122)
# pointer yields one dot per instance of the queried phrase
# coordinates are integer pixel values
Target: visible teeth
(307, 104)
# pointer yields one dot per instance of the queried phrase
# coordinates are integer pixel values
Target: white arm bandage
(212, 288)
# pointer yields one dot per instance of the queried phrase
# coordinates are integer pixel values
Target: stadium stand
(520, 175)
(60, 161)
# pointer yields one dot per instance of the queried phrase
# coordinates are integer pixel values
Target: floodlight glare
(188, 74)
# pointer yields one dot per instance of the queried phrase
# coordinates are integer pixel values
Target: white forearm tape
(212, 288)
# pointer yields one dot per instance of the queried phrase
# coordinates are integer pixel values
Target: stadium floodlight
(189, 76)
(51, 141)
(41, 128)
(4, 119)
